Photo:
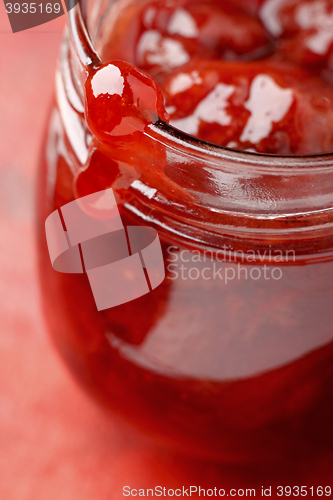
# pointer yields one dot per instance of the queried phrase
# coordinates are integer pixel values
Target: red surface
(55, 443)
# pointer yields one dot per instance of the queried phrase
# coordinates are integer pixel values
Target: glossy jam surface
(238, 370)
(121, 100)
(269, 107)
(304, 32)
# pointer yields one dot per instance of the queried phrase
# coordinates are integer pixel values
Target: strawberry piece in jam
(269, 106)
(158, 36)
(227, 29)
(304, 30)
(121, 100)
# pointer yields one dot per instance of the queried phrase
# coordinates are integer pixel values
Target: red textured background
(55, 444)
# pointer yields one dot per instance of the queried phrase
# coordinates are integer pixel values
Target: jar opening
(87, 53)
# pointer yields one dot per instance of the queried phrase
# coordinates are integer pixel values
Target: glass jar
(230, 357)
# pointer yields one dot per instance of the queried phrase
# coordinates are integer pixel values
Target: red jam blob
(121, 100)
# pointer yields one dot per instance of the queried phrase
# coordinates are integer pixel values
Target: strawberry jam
(230, 357)
(270, 107)
(229, 77)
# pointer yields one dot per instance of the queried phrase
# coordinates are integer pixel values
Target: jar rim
(88, 56)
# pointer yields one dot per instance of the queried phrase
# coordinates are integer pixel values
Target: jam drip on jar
(121, 100)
